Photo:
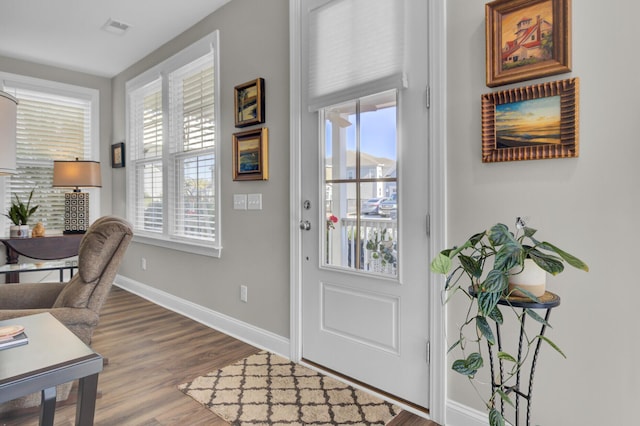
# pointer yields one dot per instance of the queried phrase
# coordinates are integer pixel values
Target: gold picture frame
(251, 155)
(527, 39)
(531, 123)
(249, 103)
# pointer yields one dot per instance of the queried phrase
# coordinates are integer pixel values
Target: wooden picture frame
(527, 39)
(531, 123)
(117, 155)
(251, 155)
(249, 103)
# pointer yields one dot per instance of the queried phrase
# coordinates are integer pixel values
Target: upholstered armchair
(76, 303)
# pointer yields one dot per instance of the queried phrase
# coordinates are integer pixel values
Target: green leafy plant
(482, 272)
(381, 246)
(19, 213)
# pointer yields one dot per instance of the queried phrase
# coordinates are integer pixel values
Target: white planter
(532, 279)
(19, 231)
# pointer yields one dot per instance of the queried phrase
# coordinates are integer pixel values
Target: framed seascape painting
(251, 155)
(249, 103)
(527, 39)
(531, 123)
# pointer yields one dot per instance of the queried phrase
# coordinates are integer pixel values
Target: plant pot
(532, 279)
(19, 231)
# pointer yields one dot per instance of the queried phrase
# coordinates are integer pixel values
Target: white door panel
(361, 316)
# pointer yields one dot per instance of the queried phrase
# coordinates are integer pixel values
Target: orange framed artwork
(531, 123)
(527, 39)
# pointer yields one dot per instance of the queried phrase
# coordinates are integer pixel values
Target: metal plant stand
(548, 301)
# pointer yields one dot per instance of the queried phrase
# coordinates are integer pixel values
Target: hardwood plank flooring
(151, 350)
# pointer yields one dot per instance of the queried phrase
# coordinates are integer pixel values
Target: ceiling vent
(115, 27)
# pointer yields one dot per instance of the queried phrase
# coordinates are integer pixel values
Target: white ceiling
(69, 34)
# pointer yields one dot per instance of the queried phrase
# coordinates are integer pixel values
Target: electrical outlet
(143, 263)
(243, 293)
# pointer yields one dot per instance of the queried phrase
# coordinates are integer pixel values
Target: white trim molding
(438, 368)
(243, 331)
(462, 415)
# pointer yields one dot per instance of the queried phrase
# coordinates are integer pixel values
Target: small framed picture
(249, 103)
(527, 39)
(531, 123)
(251, 155)
(117, 155)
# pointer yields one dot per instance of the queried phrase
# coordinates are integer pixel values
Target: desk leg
(86, 406)
(12, 258)
(48, 406)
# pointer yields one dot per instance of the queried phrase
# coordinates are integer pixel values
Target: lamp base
(76, 212)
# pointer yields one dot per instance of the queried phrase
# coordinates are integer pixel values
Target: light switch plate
(239, 201)
(254, 201)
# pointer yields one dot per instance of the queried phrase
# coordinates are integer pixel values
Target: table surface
(38, 266)
(48, 248)
(53, 354)
(547, 301)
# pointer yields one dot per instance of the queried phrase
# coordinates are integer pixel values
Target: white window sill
(185, 246)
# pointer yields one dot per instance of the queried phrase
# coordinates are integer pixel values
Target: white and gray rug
(265, 389)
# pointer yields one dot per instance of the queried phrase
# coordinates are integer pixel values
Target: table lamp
(8, 115)
(76, 204)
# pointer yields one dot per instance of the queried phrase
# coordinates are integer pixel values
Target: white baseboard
(245, 332)
(462, 415)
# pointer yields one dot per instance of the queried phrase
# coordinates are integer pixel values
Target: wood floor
(150, 351)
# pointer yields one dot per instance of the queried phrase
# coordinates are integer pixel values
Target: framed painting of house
(531, 123)
(249, 103)
(251, 155)
(527, 39)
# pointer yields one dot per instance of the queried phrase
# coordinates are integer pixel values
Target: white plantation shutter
(50, 126)
(192, 136)
(145, 153)
(172, 194)
(356, 48)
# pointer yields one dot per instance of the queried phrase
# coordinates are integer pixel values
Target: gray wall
(586, 205)
(254, 42)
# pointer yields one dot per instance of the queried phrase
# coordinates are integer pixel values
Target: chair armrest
(29, 296)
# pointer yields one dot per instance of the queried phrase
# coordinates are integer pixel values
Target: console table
(45, 248)
(54, 355)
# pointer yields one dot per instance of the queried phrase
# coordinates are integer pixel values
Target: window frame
(55, 88)
(205, 46)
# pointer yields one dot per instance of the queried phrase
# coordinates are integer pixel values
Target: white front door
(365, 261)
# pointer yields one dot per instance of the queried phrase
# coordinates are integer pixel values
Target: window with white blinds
(54, 122)
(173, 184)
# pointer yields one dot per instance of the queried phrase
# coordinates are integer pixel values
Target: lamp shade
(76, 174)
(8, 114)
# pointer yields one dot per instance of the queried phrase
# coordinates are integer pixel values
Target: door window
(360, 145)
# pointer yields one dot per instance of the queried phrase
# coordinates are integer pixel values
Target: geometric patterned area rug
(266, 389)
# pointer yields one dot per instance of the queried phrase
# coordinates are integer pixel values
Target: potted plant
(381, 250)
(19, 214)
(486, 261)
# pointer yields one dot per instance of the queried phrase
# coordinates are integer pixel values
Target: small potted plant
(487, 260)
(19, 214)
(381, 250)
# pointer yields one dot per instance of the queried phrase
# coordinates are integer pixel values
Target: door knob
(305, 225)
